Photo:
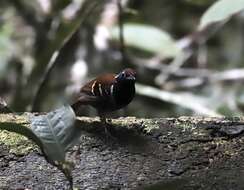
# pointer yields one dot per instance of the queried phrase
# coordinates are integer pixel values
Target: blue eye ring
(123, 75)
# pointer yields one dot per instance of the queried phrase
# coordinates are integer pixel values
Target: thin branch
(156, 64)
(121, 31)
(173, 67)
(202, 54)
(186, 83)
(186, 100)
(228, 75)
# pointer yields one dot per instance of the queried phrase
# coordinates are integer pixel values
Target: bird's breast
(124, 93)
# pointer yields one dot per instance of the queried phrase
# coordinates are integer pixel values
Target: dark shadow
(119, 136)
(174, 184)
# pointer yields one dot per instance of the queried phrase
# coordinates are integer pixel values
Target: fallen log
(161, 153)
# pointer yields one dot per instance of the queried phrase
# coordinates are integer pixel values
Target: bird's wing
(95, 91)
(101, 86)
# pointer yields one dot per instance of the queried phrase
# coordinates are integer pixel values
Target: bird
(107, 93)
(4, 107)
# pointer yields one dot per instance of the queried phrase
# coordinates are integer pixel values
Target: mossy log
(160, 154)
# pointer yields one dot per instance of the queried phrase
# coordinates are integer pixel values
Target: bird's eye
(121, 76)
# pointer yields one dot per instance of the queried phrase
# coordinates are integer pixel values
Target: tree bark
(163, 154)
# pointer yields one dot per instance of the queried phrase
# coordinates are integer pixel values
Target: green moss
(131, 122)
(16, 143)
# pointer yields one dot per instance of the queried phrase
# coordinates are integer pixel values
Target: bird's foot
(75, 154)
(107, 130)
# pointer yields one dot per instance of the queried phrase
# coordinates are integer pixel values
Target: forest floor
(185, 153)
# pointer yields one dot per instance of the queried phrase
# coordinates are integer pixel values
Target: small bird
(4, 107)
(107, 92)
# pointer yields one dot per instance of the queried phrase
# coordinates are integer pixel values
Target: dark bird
(108, 92)
(4, 107)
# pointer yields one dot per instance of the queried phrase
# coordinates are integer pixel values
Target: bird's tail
(77, 106)
(83, 100)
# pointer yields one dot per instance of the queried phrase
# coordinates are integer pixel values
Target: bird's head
(126, 75)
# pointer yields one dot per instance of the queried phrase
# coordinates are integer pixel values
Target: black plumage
(108, 92)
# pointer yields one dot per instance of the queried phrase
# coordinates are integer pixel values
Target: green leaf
(22, 130)
(220, 11)
(54, 133)
(147, 38)
(57, 132)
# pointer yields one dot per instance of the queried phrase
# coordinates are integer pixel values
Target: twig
(186, 83)
(121, 31)
(193, 80)
(202, 54)
(156, 64)
(186, 100)
(197, 73)
(228, 75)
(173, 67)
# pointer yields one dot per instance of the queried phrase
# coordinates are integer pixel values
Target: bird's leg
(106, 124)
(75, 154)
(103, 119)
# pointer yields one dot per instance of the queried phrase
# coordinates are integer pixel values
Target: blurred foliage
(133, 33)
(200, 2)
(31, 31)
(5, 47)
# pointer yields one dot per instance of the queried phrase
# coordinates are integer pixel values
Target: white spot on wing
(106, 91)
(111, 90)
(100, 90)
(93, 86)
